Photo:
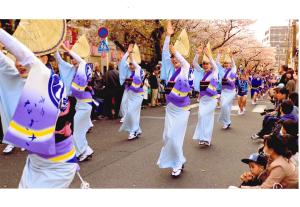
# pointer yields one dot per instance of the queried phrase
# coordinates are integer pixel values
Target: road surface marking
(216, 113)
(259, 108)
(235, 108)
(152, 117)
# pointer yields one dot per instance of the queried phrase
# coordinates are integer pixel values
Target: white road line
(259, 108)
(218, 113)
(192, 114)
(152, 117)
(235, 108)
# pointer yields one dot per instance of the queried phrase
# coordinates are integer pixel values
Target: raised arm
(138, 69)
(233, 65)
(76, 57)
(218, 60)
(6, 66)
(123, 60)
(215, 70)
(196, 64)
(183, 61)
(73, 54)
(123, 68)
(137, 66)
(18, 49)
(166, 51)
(66, 70)
(131, 59)
(198, 70)
(219, 66)
(60, 61)
(167, 67)
(58, 57)
(185, 66)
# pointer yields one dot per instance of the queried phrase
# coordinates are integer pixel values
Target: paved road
(118, 163)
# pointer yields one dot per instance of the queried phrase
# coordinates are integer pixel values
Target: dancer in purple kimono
(175, 70)
(207, 87)
(40, 121)
(134, 92)
(228, 74)
(76, 77)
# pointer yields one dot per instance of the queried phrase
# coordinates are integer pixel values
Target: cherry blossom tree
(149, 35)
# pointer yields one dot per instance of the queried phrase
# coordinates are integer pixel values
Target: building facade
(278, 38)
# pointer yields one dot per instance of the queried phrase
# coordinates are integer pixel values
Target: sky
(262, 25)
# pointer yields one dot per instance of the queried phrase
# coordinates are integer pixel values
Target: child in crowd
(257, 165)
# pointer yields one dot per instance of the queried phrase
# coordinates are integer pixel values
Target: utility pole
(287, 57)
(294, 45)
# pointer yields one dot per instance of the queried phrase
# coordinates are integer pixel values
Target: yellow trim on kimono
(86, 100)
(179, 93)
(30, 132)
(135, 85)
(64, 157)
(212, 87)
(186, 108)
(231, 79)
(78, 87)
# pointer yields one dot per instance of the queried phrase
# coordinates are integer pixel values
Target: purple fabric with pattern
(206, 75)
(181, 85)
(209, 92)
(36, 110)
(81, 94)
(230, 85)
(132, 74)
(213, 82)
(81, 78)
(227, 72)
(174, 76)
(62, 147)
(136, 80)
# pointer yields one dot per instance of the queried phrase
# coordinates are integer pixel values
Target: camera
(267, 111)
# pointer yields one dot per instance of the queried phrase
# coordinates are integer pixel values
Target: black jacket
(153, 81)
(112, 79)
